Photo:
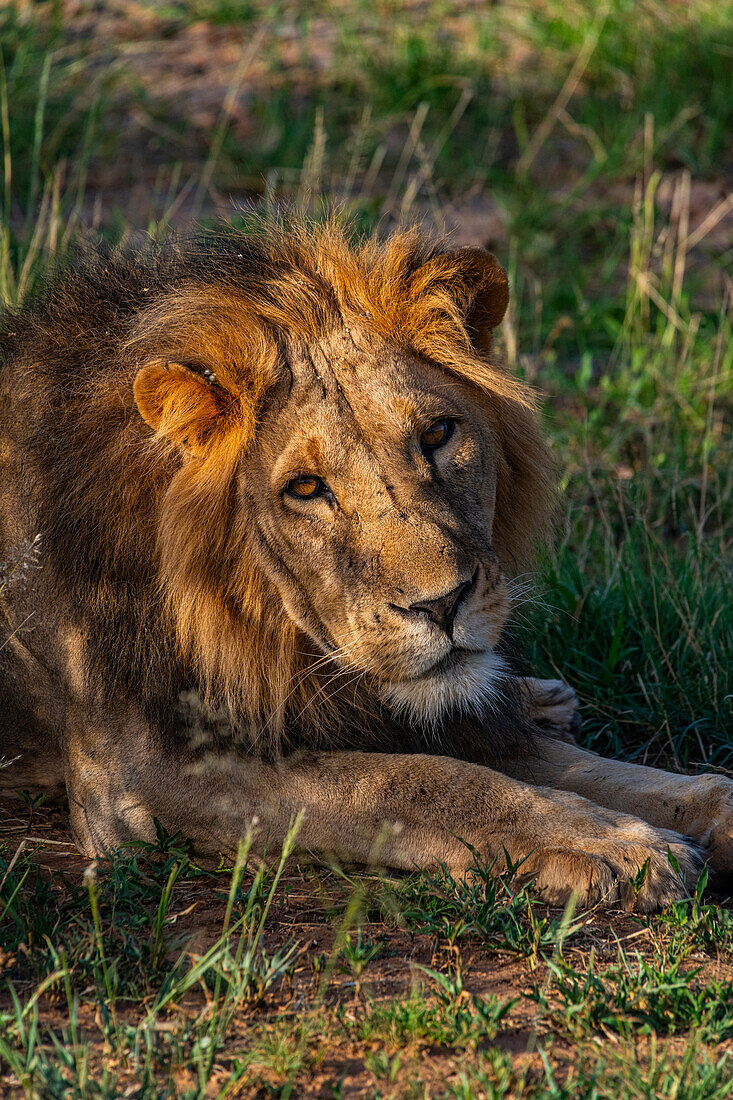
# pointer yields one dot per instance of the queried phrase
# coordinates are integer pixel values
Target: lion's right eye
(306, 487)
(436, 434)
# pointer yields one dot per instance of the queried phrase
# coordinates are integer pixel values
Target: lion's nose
(443, 610)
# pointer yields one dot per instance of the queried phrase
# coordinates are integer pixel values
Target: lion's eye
(435, 435)
(305, 487)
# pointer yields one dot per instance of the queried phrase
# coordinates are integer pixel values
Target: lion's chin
(464, 682)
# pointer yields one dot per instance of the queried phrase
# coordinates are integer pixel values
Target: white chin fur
(468, 687)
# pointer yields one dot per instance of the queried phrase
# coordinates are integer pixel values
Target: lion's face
(372, 488)
(351, 465)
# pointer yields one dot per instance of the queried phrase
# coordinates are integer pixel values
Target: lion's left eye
(306, 487)
(436, 434)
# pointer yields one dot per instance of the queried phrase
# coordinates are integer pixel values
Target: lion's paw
(632, 870)
(553, 705)
(710, 822)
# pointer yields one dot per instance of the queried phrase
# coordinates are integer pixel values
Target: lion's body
(155, 413)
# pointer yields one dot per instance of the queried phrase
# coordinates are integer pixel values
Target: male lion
(283, 471)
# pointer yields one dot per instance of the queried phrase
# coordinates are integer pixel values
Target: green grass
(620, 315)
(484, 905)
(621, 1075)
(452, 1019)
(635, 996)
(52, 95)
(141, 1007)
(696, 926)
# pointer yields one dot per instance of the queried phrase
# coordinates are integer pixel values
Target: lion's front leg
(121, 776)
(698, 806)
(402, 811)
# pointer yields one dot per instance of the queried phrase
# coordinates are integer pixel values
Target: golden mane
(228, 616)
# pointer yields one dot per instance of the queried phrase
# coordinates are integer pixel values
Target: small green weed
(278, 1052)
(452, 1016)
(694, 925)
(619, 1073)
(484, 905)
(356, 954)
(44, 919)
(636, 996)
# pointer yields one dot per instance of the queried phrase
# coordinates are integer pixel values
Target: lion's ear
(478, 285)
(182, 403)
(491, 294)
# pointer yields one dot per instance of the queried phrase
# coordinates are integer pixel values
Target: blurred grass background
(588, 144)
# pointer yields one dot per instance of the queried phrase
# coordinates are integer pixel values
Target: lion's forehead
(364, 368)
(352, 385)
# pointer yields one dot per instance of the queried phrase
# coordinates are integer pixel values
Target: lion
(284, 473)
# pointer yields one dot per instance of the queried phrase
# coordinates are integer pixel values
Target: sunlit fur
(146, 524)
